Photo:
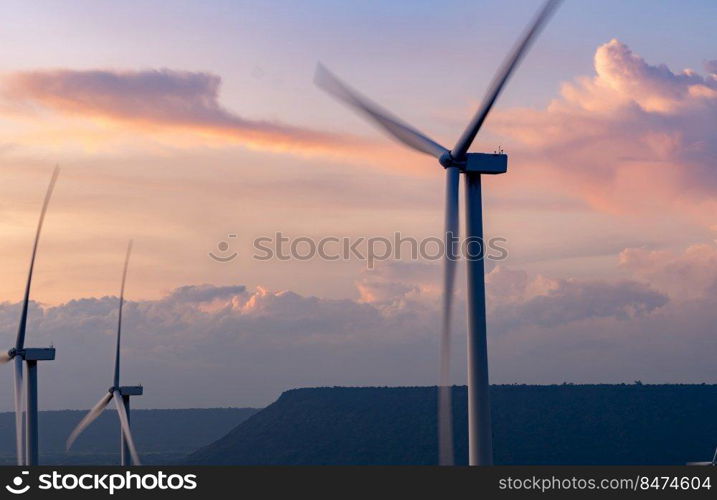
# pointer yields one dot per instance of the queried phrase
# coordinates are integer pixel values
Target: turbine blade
(395, 127)
(119, 318)
(445, 413)
(4, 357)
(20, 341)
(502, 77)
(19, 413)
(91, 416)
(124, 421)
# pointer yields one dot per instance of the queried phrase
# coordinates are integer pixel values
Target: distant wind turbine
(120, 394)
(473, 165)
(26, 437)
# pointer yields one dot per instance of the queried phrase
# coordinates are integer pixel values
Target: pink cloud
(273, 340)
(157, 99)
(691, 274)
(633, 137)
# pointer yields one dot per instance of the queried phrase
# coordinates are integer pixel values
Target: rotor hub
(446, 159)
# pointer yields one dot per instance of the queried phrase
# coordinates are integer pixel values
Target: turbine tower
(26, 436)
(473, 165)
(121, 394)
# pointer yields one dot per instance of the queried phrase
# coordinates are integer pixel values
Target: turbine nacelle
(131, 390)
(37, 354)
(127, 390)
(479, 163)
(29, 354)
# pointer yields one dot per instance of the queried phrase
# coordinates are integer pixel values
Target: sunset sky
(177, 124)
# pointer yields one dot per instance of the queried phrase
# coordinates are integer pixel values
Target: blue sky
(383, 45)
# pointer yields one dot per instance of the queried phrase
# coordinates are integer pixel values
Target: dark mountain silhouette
(559, 424)
(163, 436)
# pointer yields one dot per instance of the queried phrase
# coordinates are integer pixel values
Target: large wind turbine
(473, 165)
(26, 443)
(120, 394)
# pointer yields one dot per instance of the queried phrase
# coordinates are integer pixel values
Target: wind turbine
(26, 442)
(473, 165)
(120, 394)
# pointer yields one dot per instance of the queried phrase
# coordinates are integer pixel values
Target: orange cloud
(160, 99)
(633, 137)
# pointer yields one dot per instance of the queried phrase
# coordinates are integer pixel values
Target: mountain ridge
(567, 424)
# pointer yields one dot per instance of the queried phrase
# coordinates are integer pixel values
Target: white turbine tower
(120, 394)
(473, 165)
(26, 436)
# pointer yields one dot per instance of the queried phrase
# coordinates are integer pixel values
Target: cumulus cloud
(572, 301)
(396, 285)
(634, 136)
(547, 330)
(204, 293)
(204, 345)
(156, 98)
(518, 298)
(691, 274)
(624, 78)
(711, 67)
